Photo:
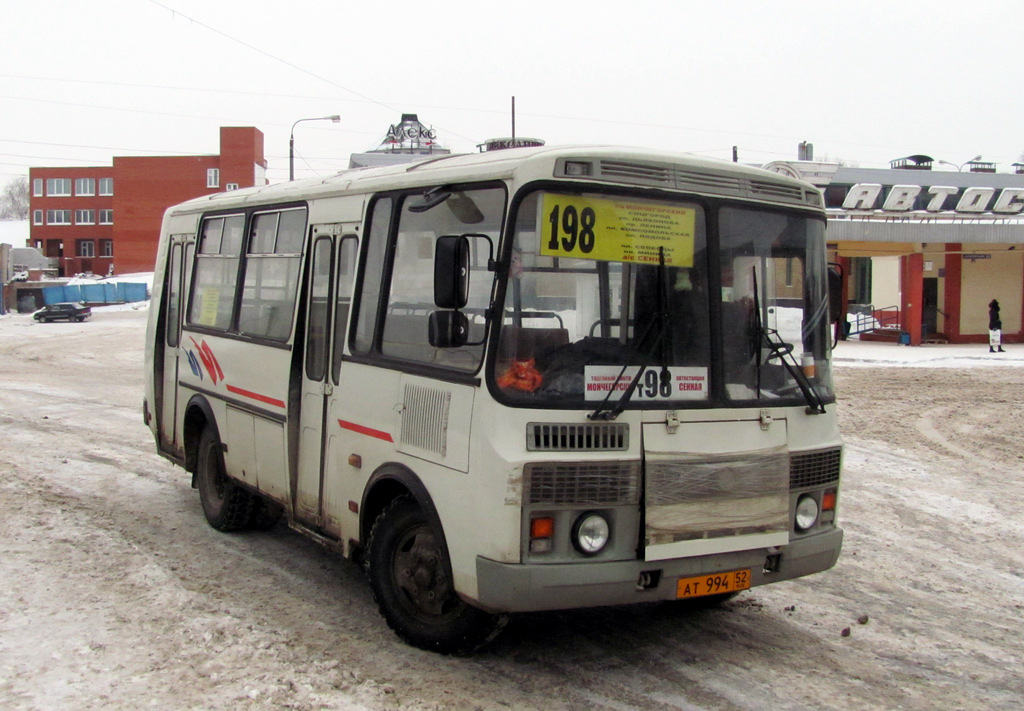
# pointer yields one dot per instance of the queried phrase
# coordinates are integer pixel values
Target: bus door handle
(326, 388)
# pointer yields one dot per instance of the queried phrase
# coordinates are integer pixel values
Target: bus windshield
(612, 302)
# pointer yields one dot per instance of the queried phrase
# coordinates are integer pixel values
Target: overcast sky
(84, 80)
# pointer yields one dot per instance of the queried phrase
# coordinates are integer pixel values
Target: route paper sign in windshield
(616, 230)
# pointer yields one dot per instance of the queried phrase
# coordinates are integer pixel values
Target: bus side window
(366, 306)
(272, 274)
(410, 294)
(316, 336)
(173, 324)
(216, 272)
(348, 252)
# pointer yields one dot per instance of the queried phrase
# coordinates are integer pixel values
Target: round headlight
(590, 533)
(806, 513)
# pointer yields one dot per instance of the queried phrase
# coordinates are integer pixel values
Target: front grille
(587, 437)
(716, 495)
(569, 484)
(809, 469)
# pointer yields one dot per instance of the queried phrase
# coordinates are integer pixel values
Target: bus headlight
(591, 533)
(806, 513)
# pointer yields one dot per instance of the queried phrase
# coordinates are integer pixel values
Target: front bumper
(504, 587)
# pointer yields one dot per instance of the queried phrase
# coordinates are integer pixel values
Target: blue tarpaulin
(102, 293)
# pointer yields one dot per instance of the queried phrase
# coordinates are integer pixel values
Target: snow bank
(865, 353)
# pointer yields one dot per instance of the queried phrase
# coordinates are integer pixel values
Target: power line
(119, 109)
(523, 114)
(285, 62)
(15, 155)
(194, 89)
(74, 145)
(272, 56)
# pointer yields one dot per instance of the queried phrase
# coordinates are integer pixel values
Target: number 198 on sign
(616, 229)
(571, 229)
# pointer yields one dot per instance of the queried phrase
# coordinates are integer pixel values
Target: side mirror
(447, 329)
(451, 272)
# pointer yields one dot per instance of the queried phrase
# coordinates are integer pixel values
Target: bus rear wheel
(410, 579)
(227, 506)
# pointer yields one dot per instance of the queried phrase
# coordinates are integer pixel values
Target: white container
(807, 363)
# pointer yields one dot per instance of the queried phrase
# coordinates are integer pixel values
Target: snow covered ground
(115, 594)
(867, 353)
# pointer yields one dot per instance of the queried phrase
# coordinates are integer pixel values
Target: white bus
(521, 380)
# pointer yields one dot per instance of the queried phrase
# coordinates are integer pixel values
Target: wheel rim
(420, 577)
(214, 478)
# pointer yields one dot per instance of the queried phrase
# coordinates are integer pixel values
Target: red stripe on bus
(256, 396)
(379, 434)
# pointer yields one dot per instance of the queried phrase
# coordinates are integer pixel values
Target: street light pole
(291, 140)
(960, 167)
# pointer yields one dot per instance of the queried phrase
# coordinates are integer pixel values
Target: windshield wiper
(659, 345)
(610, 414)
(784, 352)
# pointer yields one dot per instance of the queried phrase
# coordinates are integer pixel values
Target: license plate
(713, 584)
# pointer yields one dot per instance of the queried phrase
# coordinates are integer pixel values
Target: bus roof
(609, 164)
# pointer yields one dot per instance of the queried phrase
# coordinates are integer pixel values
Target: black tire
(410, 578)
(227, 506)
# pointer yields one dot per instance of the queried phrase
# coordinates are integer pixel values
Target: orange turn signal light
(542, 527)
(828, 500)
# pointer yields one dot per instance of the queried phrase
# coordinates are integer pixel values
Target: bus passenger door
(330, 284)
(179, 257)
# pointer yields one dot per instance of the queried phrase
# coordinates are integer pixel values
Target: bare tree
(14, 200)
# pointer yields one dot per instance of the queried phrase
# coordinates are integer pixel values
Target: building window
(106, 248)
(37, 217)
(213, 177)
(231, 186)
(58, 217)
(85, 186)
(106, 186)
(58, 187)
(85, 217)
(106, 217)
(86, 248)
(37, 187)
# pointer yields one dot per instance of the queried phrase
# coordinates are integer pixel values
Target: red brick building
(107, 220)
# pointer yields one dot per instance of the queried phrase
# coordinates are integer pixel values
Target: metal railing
(872, 318)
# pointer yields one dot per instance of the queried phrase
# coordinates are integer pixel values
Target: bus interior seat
(519, 343)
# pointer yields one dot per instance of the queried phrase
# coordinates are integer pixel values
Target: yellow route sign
(209, 303)
(617, 230)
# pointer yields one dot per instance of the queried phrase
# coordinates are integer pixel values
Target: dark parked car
(70, 311)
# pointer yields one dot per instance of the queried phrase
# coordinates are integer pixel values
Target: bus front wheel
(409, 576)
(227, 506)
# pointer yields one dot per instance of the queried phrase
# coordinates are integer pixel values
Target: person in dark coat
(995, 328)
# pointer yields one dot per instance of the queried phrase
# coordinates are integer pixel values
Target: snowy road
(115, 594)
